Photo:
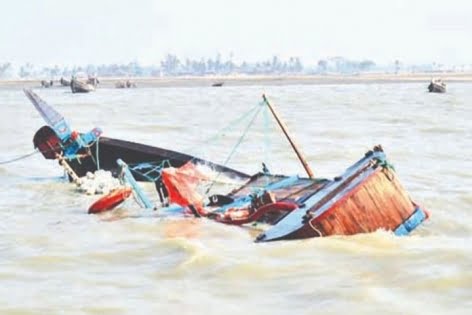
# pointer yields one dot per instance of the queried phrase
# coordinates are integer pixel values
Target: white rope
(22, 157)
(315, 229)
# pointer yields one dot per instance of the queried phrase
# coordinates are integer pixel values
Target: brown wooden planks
(380, 202)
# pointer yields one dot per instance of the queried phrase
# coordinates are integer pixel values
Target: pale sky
(64, 32)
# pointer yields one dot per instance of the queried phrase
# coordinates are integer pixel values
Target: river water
(56, 259)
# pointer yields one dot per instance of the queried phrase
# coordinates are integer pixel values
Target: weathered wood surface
(378, 202)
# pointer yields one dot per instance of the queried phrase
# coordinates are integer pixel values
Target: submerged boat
(90, 151)
(366, 197)
(437, 86)
(77, 86)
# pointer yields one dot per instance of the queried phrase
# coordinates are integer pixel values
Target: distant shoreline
(242, 80)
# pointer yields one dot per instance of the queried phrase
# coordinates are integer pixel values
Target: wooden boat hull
(367, 197)
(87, 152)
(103, 152)
(109, 150)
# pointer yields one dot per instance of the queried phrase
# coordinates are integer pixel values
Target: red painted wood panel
(379, 202)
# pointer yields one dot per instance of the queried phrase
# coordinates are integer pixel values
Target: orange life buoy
(110, 201)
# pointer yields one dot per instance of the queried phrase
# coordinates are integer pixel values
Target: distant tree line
(171, 65)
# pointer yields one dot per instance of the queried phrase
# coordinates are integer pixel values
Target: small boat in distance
(125, 84)
(93, 80)
(77, 86)
(437, 86)
(218, 84)
(46, 84)
(64, 82)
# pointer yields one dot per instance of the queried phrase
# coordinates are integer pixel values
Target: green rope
(158, 168)
(384, 163)
(240, 140)
(267, 144)
(96, 153)
(217, 135)
(231, 125)
(238, 143)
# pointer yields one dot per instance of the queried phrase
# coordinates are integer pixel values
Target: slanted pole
(129, 178)
(68, 169)
(282, 125)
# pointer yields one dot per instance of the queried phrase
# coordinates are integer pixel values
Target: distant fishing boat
(77, 86)
(46, 84)
(437, 86)
(125, 84)
(93, 80)
(218, 84)
(64, 82)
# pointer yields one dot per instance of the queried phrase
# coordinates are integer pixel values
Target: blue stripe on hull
(411, 223)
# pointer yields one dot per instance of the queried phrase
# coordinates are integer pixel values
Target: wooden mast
(300, 155)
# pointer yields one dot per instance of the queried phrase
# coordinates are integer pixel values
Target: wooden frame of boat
(366, 198)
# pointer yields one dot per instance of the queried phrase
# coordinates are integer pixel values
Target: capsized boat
(366, 197)
(90, 151)
(437, 86)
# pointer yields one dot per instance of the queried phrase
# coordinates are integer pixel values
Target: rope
(315, 229)
(22, 157)
(240, 140)
(158, 168)
(96, 153)
(267, 144)
(161, 164)
(218, 134)
(231, 124)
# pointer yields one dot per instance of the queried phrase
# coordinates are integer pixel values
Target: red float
(110, 201)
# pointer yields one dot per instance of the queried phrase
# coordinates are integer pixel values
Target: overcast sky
(48, 32)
